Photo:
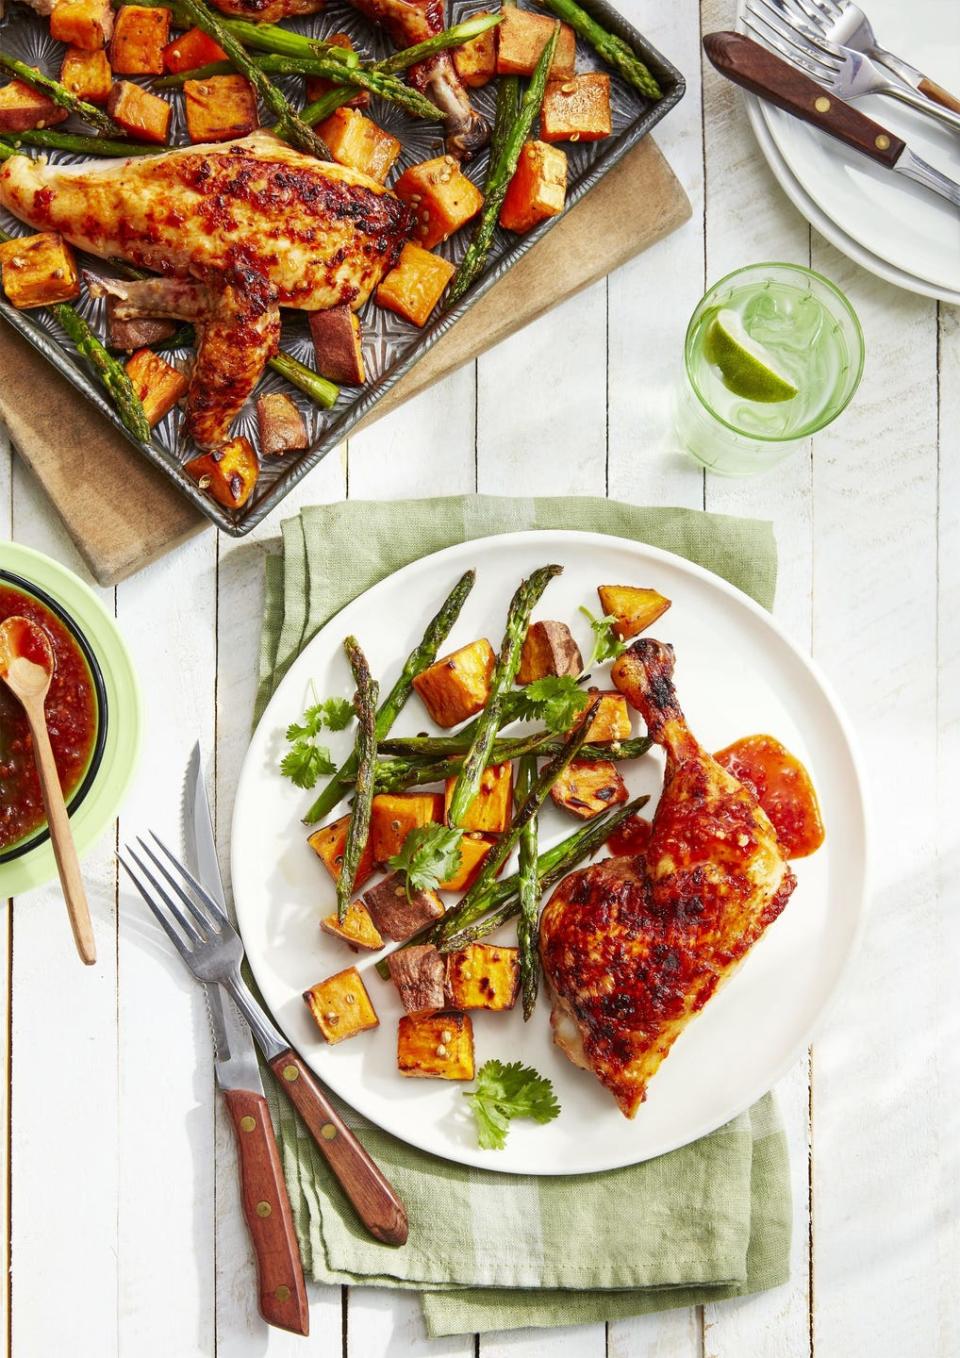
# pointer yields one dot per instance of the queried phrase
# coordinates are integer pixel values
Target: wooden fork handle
(281, 1290)
(760, 71)
(374, 1199)
(939, 95)
(61, 836)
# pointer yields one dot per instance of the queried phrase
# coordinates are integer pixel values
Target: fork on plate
(788, 28)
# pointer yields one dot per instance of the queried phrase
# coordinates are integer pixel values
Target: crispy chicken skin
(634, 947)
(237, 230)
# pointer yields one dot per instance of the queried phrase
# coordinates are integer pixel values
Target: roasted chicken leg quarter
(633, 948)
(237, 230)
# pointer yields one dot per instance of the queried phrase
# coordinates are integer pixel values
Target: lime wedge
(748, 369)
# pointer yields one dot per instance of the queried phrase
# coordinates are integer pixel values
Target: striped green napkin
(709, 1221)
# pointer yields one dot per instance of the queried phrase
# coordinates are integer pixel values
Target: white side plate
(737, 673)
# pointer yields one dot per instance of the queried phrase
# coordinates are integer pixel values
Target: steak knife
(760, 71)
(281, 1292)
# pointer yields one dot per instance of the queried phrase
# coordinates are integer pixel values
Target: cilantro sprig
(556, 700)
(507, 1092)
(429, 855)
(306, 761)
(606, 644)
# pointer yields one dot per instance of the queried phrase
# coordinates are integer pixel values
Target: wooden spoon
(26, 666)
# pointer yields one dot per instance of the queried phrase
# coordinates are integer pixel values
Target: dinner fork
(849, 74)
(211, 950)
(845, 23)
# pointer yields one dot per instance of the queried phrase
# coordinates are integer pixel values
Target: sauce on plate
(783, 788)
(71, 719)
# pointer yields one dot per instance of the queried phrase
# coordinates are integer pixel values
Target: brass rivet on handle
(282, 1293)
(263, 1209)
(291, 1073)
(822, 104)
(882, 142)
(247, 1123)
(328, 1131)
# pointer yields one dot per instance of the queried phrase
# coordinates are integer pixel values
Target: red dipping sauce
(783, 788)
(71, 709)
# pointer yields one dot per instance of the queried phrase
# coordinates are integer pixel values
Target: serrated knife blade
(235, 1057)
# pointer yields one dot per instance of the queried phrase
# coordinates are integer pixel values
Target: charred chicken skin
(634, 947)
(237, 230)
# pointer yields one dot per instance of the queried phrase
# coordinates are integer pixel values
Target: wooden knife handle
(373, 1198)
(283, 1296)
(761, 72)
(938, 94)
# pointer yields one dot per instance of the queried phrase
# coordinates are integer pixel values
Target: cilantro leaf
(556, 700)
(336, 713)
(606, 644)
(505, 1092)
(305, 762)
(430, 854)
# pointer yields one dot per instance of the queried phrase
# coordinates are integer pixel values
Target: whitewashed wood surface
(125, 1231)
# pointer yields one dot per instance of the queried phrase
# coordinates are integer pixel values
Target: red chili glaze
(71, 720)
(783, 788)
(630, 837)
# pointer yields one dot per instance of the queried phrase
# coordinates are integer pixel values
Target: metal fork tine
(155, 910)
(195, 911)
(768, 36)
(796, 34)
(212, 905)
(191, 931)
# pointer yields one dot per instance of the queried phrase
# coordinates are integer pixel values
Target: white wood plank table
(121, 1200)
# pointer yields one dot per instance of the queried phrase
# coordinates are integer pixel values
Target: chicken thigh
(633, 948)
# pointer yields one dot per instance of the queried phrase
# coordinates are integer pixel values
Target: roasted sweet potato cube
(328, 844)
(87, 75)
(394, 815)
(435, 1046)
(337, 345)
(476, 61)
(489, 812)
(548, 649)
(483, 976)
(22, 109)
(458, 685)
(356, 928)
(538, 189)
(38, 270)
(634, 609)
(418, 973)
(415, 286)
(280, 425)
(192, 49)
(229, 472)
(442, 197)
(341, 1006)
(397, 915)
(144, 115)
(612, 721)
(522, 36)
(139, 36)
(317, 85)
(589, 787)
(138, 333)
(357, 141)
(158, 384)
(82, 23)
(473, 850)
(219, 108)
(576, 108)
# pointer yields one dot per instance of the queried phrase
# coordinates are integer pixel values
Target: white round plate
(737, 673)
(825, 225)
(912, 230)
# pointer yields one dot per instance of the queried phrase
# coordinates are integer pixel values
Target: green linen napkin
(709, 1221)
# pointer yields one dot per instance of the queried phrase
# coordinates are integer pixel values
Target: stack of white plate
(896, 229)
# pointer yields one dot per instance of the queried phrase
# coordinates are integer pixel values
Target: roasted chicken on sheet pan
(634, 947)
(238, 230)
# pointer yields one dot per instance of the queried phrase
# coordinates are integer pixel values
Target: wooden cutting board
(122, 513)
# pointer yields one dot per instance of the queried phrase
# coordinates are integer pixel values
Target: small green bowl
(30, 862)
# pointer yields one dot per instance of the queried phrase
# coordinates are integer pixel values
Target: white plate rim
(478, 1158)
